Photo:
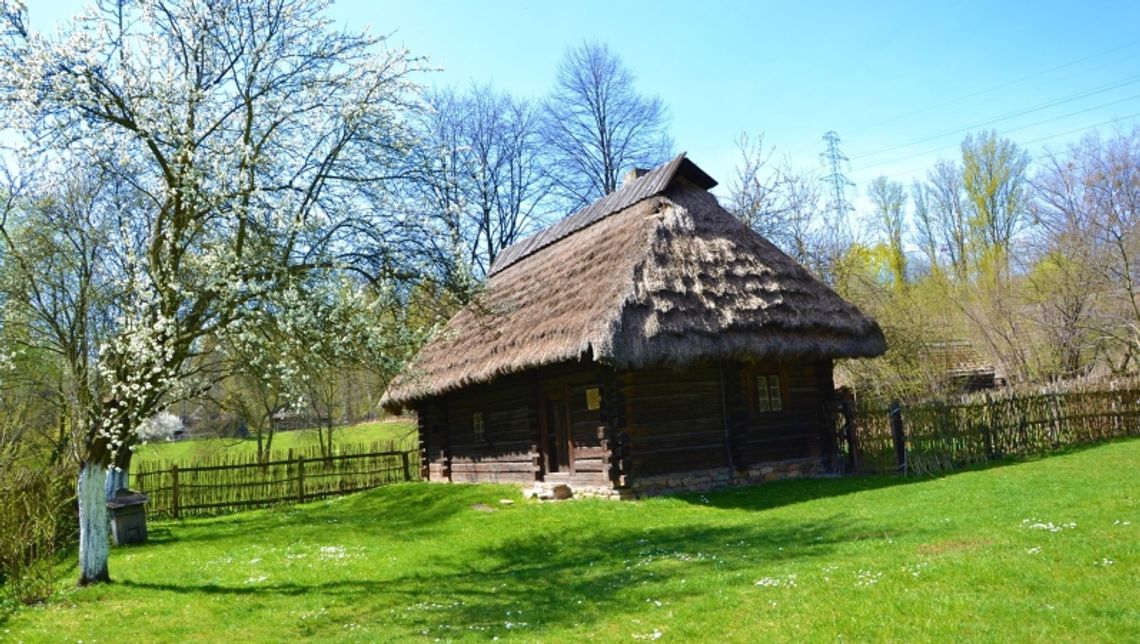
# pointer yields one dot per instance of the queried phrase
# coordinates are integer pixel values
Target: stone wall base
(693, 481)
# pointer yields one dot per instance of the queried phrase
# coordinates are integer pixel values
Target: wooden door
(556, 448)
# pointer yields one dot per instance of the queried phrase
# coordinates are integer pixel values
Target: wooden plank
(520, 454)
(585, 452)
(677, 460)
(652, 442)
(643, 377)
(458, 468)
(590, 465)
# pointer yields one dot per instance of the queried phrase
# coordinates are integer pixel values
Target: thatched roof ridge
(669, 280)
(652, 183)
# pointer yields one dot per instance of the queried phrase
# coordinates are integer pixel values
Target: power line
(1007, 131)
(1001, 86)
(1005, 117)
(1027, 143)
(1083, 129)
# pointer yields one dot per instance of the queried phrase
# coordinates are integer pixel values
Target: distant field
(400, 431)
(1045, 550)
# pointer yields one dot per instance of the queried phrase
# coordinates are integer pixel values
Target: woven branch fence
(239, 482)
(938, 436)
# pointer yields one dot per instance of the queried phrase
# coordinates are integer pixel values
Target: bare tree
(755, 192)
(888, 198)
(802, 232)
(596, 125)
(482, 177)
(925, 231)
(1088, 200)
(943, 220)
(783, 204)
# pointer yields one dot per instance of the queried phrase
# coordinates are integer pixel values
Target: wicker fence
(938, 436)
(236, 483)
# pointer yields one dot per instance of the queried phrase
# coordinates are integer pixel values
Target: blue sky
(901, 82)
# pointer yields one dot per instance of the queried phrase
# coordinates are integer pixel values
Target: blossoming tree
(252, 136)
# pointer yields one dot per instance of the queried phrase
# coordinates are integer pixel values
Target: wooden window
(477, 425)
(768, 397)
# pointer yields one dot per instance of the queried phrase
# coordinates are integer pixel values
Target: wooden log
(696, 439)
(490, 449)
(461, 467)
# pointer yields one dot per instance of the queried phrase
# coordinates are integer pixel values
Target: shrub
(37, 522)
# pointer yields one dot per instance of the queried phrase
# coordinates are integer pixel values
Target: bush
(37, 522)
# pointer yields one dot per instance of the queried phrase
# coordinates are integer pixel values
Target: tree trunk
(93, 537)
(119, 477)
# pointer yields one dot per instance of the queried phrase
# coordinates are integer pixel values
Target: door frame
(561, 395)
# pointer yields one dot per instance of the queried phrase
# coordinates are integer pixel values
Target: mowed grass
(1041, 550)
(400, 431)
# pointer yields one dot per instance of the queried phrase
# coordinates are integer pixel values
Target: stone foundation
(694, 481)
(722, 477)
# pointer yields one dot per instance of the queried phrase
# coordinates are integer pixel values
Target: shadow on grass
(409, 508)
(541, 570)
(538, 580)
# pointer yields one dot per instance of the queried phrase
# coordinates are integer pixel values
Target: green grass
(1040, 550)
(400, 431)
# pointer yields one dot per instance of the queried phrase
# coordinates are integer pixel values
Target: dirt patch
(954, 545)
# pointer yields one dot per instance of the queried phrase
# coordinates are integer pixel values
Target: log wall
(674, 420)
(511, 446)
(650, 423)
(799, 430)
(706, 417)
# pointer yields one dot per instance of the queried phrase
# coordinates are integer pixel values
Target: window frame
(766, 393)
(479, 426)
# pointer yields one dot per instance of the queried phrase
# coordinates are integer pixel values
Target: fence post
(898, 433)
(988, 426)
(407, 466)
(174, 490)
(851, 433)
(301, 479)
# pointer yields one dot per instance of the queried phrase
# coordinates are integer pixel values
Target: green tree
(994, 181)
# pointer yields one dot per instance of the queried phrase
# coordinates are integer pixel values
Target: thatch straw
(669, 280)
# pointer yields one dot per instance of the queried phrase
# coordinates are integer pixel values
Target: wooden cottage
(648, 342)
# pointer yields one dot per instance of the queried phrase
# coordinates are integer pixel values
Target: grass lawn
(1041, 550)
(399, 430)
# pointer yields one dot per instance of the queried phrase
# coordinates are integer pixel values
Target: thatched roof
(654, 274)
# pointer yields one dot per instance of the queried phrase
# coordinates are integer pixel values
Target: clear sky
(901, 82)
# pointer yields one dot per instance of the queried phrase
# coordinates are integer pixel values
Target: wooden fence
(938, 436)
(234, 483)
